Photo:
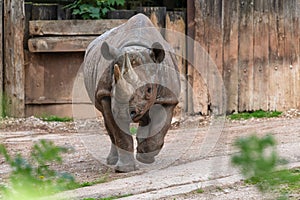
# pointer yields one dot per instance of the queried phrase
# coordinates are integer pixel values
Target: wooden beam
(72, 27)
(14, 21)
(59, 44)
(1, 58)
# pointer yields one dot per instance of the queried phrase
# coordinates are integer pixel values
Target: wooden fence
(256, 47)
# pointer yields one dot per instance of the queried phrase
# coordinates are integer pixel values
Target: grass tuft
(255, 114)
(200, 191)
(53, 118)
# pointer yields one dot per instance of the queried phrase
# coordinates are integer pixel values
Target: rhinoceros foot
(126, 161)
(112, 160)
(145, 158)
(121, 168)
(113, 155)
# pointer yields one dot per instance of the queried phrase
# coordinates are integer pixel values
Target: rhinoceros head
(134, 88)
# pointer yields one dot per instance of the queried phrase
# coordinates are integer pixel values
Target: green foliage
(133, 130)
(255, 114)
(93, 9)
(53, 118)
(3, 105)
(258, 162)
(33, 178)
(101, 180)
(200, 191)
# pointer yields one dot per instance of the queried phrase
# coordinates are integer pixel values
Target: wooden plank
(14, 21)
(28, 9)
(230, 53)
(191, 62)
(60, 110)
(72, 27)
(175, 35)
(199, 75)
(297, 67)
(1, 58)
(290, 52)
(50, 76)
(215, 61)
(156, 14)
(59, 44)
(245, 54)
(261, 55)
(276, 54)
(44, 11)
(120, 14)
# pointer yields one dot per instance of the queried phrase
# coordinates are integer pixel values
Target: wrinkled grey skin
(131, 76)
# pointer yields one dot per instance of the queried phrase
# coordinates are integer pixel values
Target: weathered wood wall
(256, 47)
(1, 59)
(14, 76)
(55, 53)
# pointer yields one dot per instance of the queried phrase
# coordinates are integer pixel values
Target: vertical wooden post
(245, 54)
(190, 53)
(175, 35)
(230, 53)
(260, 54)
(14, 19)
(1, 57)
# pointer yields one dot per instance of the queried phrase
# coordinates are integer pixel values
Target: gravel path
(191, 158)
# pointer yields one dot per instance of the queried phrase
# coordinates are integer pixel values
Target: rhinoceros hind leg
(113, 156)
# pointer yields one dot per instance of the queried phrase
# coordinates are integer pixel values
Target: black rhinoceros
(131, 75)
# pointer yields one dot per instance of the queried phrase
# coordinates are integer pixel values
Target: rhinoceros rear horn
(109, 52)
(157, 52)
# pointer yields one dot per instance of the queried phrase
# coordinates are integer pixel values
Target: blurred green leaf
(33, 178)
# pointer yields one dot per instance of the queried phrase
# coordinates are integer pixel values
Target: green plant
(93, 9)
(3, 105)
(53, 118)
(33, 178)
(255, 114)
(200, 191)
(133, 130)
(101, 180)
(258, 161)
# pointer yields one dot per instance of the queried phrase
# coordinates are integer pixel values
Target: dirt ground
(87, 164)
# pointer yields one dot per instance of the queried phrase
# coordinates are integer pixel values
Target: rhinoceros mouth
(137, 118)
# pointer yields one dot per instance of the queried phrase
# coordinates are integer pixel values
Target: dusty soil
(18, 135)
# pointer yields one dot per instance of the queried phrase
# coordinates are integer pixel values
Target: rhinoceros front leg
(122, 143)
(160, 118)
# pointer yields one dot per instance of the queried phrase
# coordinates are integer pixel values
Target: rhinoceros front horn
(157, 52)
(109, 52)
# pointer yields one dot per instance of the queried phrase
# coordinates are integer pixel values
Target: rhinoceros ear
(109, 52)
(157, 52)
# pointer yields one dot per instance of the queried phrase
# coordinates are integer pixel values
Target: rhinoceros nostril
(132, 114)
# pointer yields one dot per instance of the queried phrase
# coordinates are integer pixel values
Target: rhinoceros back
(137, 31)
